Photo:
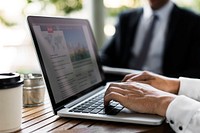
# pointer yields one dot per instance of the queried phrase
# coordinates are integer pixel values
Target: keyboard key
(87, 110)
(102, 112)
(95, 111)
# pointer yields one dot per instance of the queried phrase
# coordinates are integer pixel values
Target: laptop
(68, 56)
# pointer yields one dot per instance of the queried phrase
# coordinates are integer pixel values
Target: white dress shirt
(154, 58)
(183, 113)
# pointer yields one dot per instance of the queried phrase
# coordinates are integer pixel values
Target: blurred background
(16, 49)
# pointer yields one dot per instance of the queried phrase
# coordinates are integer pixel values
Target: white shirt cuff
(180, 112)
(190, 87)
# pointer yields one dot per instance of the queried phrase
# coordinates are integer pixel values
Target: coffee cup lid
(10, 80)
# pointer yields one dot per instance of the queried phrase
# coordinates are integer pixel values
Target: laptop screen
(68, 56)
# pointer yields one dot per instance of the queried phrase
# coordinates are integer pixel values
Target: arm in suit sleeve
(182, 48)
(116, 52)
(183, 113)
(110, 53)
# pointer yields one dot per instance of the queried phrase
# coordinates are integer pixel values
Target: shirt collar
(162, 13)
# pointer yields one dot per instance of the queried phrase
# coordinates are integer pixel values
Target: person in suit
(174, 49)
(177, 99)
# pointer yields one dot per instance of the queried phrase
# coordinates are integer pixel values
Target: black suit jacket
(181, 55)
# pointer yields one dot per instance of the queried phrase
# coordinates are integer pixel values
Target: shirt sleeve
(183, 115)
(190, 87)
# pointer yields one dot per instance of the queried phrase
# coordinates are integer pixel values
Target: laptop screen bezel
(61, 20)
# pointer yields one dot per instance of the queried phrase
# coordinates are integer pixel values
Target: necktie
(140, 60)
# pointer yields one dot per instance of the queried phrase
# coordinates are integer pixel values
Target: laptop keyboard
(96, 106)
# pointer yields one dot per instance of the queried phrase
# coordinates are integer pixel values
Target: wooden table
(41, 119)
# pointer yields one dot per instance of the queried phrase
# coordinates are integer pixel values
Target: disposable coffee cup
(10, 102)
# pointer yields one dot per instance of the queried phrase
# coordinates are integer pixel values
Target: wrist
(164, 103)
(174, 85)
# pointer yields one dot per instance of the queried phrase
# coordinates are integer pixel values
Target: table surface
(41, 119)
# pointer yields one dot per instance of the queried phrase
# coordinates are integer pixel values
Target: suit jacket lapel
(132, 29)
(173, 22)
(133, 24)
